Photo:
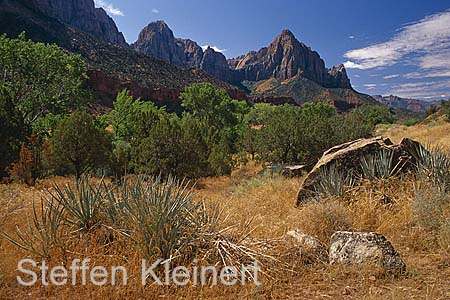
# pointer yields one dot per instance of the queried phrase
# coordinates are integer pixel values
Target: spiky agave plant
(82, 203)
(333, 181)
(164, 213)
(44, 229)
(434, 166)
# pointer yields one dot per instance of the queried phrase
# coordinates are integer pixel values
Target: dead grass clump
(322, 219)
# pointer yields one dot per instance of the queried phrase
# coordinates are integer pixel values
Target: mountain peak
(287, 33)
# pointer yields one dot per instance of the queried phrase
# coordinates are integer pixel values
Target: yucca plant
(333, 181)
(384, 164)
(379, 165)
(44, 229)
(164, 213)
(434, 166)
(81, 202)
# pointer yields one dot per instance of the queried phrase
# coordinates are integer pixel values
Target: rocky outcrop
(83, 15)
(157, 40)
(285, 58)
(348, 157)
(365, 248)
(215, 64)
(193, 53)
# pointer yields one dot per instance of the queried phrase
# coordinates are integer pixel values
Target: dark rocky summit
(285, 58)
(83, 15)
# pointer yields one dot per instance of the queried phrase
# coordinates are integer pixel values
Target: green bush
(78, 146)
(12, 132)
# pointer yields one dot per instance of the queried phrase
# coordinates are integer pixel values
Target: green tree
(12, 132)
(377, 114)
(156, 146)
(79, 146)
(124, 115)
(40, 78)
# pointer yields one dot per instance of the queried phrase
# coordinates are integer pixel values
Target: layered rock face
(285, 58)
(83, 15)
(158, 40)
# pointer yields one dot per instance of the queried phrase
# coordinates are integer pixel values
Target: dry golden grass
(435, 132)
(384, 206)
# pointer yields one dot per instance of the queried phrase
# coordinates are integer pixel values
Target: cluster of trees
(46, 129)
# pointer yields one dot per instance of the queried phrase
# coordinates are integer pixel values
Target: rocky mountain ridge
(284, 58)
(414, 105)
(83, 15)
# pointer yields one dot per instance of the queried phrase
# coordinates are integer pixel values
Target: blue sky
(389, 47)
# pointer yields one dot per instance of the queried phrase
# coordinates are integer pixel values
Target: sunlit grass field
(263, 206)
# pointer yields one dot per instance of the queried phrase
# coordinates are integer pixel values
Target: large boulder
(365, 248)
(348, 157)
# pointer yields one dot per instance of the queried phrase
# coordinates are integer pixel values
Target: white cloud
(422, 89)
(391, 76)
(109, 8)
(370, 86)
(428, 39)
(155, 11)
(215, 48)
(351, 37)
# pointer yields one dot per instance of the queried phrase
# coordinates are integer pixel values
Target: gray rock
(310, 247)
(365, 248)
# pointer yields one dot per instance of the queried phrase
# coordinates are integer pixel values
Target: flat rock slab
(365, 248)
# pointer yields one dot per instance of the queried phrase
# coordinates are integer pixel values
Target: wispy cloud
(351, 37)
(422, 90)
(109, 8)
(428, 40)
(391, 76)
(370, 86)
(215, 48)
(155, 11)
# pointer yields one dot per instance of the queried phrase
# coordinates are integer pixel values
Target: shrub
(28, 168)
(12, 132)
(79, 146)
(378, 165)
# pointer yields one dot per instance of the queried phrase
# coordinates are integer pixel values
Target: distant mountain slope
(414, 105)
(111, 67)
(300, 90)
(284, 59)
